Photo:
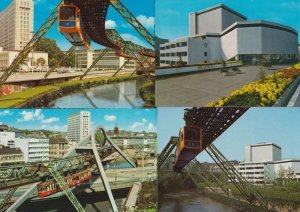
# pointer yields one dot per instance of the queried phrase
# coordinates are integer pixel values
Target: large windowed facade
(220, 33)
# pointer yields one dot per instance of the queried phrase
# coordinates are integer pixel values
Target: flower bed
(264, 92)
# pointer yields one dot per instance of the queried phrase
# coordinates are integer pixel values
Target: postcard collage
(154, 105)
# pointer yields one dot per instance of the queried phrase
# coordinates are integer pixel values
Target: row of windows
(252, 172)
(180, 44)
(247, 168)
(174, 54)
(171, 62)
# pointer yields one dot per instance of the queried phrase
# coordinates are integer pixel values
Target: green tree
(281, 174)
(290, 174)
(100, 138)
(50, 46)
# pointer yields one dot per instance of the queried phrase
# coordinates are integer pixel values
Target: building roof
(223, 7)
(260, 23)
(57, 141)
(8, 151)
(265, 144)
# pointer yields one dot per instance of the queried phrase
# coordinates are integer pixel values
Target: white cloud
(150, 127)
(50, 120)
(147, 22)
(110, 118)
(38, 114)
(138, 124)
(31, 115)
(110, 24)
(6, 113)
(26, 116)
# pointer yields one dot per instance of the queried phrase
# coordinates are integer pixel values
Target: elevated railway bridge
(202, 127)
(83, 21)
(84, 164)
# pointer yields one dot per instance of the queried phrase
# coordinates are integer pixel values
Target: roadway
(198, 89)
(38, 76)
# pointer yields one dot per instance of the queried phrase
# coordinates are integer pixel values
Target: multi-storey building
(263, 164)
(34, 149)
(85, 58)
(5, 137)
(11, 156)
(16, 30)
(79, 126)
(220, 33)
(16, 23)
(57, 148)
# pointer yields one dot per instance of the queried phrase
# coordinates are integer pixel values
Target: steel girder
(62, 59)
(11, 176)
(125, 13)
(166, 151)
(214, 121)
(245, 188)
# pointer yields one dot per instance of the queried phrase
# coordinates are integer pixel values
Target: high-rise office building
(16, 23)
(79, 126)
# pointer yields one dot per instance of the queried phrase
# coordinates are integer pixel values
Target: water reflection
(118, 95)
(186, 201)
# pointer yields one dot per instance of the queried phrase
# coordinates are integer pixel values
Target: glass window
(67, 13)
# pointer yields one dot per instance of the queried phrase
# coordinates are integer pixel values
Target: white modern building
(5, 137)
(85, 58)
(79, 126)
(220, 33)
(34, 149)
(263, 164)
(16, 30)
(36, 61)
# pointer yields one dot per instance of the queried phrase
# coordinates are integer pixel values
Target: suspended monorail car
(189, 146)
(70, 25)
(51, 187)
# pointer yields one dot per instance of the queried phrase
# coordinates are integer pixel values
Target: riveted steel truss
(213, 121)
(245, 188)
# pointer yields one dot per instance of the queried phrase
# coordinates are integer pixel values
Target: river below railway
(125, 94)
(190, 201)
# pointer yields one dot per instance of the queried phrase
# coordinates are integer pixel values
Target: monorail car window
(67, 13)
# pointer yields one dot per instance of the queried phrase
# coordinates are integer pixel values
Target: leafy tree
(54, 52)
(100, 139)
(290, 174)
(281, 174)
(50, 46)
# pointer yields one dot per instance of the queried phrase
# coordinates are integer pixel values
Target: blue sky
(172, 15)
(56, 119)
(144, 10)
(272, 125)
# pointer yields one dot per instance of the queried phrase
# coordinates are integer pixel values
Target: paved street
(40, 75)
(198, 89)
